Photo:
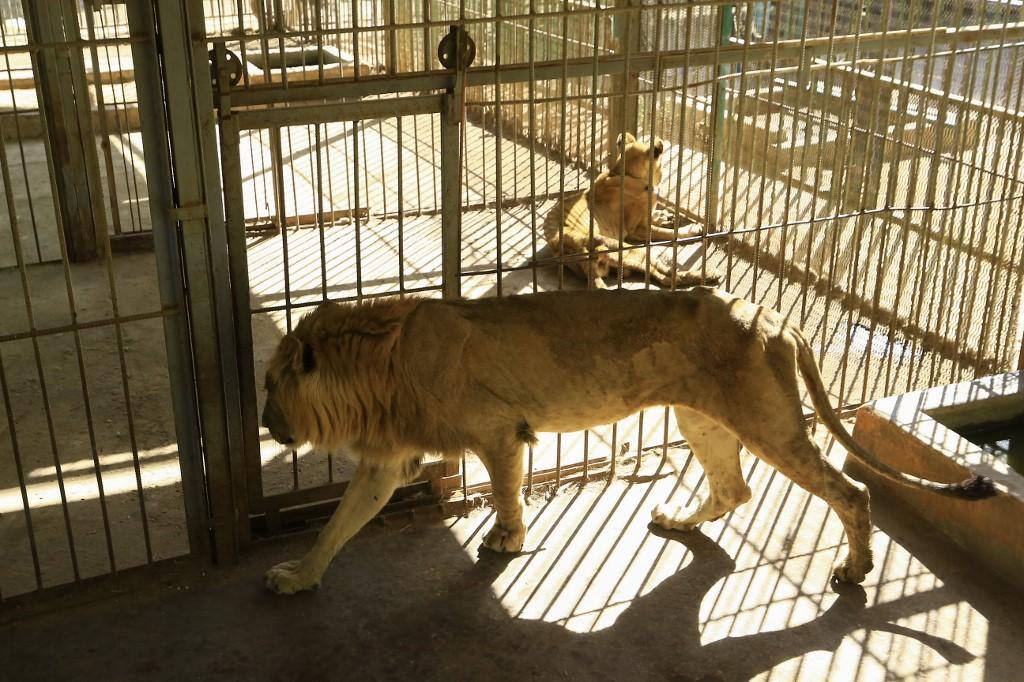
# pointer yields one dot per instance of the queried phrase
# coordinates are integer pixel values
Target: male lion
(392, 379)
(620, 202)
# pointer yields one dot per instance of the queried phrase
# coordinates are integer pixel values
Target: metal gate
(829, 157)
(278, 124)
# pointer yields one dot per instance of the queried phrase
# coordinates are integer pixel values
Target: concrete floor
(596, 595)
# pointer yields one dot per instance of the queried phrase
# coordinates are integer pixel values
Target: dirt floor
(597, 594)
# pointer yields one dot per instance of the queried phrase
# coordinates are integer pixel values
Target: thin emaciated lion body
(394, 379)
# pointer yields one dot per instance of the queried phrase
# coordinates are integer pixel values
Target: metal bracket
(195, 211)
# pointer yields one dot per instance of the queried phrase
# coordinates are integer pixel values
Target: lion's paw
(287, 578)
(664, 218)
(501, 539)
(712, 278)
(847, 572)
(673, 517)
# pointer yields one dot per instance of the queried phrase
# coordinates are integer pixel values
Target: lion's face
(639, 159)
(288, 376)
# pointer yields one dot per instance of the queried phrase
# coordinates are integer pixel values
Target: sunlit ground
(591, 563)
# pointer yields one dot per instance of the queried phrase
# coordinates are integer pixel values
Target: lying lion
(392, 379)
(621, 202)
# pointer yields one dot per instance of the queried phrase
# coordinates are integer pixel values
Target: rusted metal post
(624, 107)
(67, 114)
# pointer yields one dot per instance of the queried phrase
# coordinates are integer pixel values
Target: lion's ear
(624, 139)
(658, 147)
(299, 355)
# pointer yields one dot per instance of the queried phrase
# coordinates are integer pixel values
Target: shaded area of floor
(596, 595)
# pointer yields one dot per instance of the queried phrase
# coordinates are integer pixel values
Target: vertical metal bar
(906, 74)
(1012, 302)
(498, 115)
(115, 308)
(188, 158)
(841, 193)
(765, 173)
(16, 115)
(965, 313)
(128, 161)
(822, 134)
(564, 83)
(532, 132)
(451, 209)
(948, 277)
(355, 39)
(238, 261)
(280, 203)
(391, 46)
(718, 108)
(63, 98)
(356, 225)
(76, 336)
(400, 199)
(918, 302)
(684, 96)
(803, 77)
(652, 114)
(319, 203)
(167, 249)
(625, 105)
(12, 431)
(993, 279)
(738, 144)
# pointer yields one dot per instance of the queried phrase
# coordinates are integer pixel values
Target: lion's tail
(974, 488)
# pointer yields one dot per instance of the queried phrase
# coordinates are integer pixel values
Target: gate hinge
(232, 68)
(457, 49)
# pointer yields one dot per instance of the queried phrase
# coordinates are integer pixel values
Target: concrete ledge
(903, 432)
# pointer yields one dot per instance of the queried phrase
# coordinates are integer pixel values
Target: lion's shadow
(672, 609)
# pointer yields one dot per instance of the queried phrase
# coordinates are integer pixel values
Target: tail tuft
(974, 488)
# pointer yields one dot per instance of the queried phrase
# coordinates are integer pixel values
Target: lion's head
(638, 159)
(288, 375)
(330, 382)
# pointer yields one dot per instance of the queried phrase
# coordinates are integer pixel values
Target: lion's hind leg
(809, 469)
(784, 443)
(718, 452)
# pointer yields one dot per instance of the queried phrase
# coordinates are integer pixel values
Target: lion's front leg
(505, 467)
(366, 494)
